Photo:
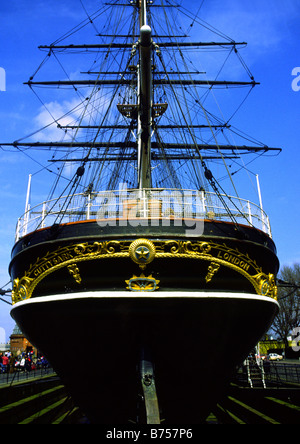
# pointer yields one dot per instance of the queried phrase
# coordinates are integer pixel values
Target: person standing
(5, 364)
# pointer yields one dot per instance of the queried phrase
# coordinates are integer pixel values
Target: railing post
(18, 228)
(26, 220)
(27, 206)
(88, 210)
(43, 215)
(249, 212)
(269, 227)
(261, 205)
(202, 195)
(145, 204)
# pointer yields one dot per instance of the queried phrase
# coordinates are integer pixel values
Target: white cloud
(69, 112)
(50, 116)
(2, 335)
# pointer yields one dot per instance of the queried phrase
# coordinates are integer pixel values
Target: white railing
(128, 204)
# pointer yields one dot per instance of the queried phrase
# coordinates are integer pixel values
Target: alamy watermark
(2, 79)
(296, 80)
(296, 339)
(163, 207)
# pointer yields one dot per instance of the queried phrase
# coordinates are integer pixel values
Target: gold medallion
(142, 252)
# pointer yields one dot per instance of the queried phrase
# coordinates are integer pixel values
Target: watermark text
(296, 339)
(2, 79)
(296, 80)
(146, 208)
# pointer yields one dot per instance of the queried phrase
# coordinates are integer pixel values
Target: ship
(140, 276)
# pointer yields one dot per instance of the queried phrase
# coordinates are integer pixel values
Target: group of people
(24, 362)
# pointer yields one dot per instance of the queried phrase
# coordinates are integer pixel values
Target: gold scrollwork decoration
(67, 256)
(74, 271)
(266, 284)
(142, 283)
(20, 289)
(213, 268)
(223, 255)
(142, 252)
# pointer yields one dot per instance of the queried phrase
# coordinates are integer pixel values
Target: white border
(145, 294)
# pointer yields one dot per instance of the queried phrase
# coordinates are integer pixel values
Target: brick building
(19, 344)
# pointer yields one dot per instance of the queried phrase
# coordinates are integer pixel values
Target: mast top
(143, 12)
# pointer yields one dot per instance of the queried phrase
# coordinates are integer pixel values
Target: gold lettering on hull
(59, 259)
(234, 260)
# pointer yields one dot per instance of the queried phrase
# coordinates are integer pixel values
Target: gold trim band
(216, 254)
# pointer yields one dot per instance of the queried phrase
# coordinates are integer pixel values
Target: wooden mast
(145, 99)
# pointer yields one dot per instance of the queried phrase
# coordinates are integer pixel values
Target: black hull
(93, 298)
(95, 345)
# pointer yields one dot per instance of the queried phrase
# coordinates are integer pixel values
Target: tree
(288, 317)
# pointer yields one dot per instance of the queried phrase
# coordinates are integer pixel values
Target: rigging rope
(207, 173)
(184, 110)
(4, 292)
(179, 106)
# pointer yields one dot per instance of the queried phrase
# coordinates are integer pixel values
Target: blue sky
(271, 114)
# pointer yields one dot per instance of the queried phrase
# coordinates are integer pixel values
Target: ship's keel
(196, 339)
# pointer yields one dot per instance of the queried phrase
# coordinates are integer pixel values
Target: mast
(27, 206)
(145, 99)
(148, 155)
